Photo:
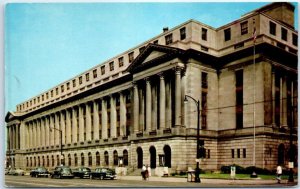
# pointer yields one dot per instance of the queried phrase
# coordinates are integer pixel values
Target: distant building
(131, 107)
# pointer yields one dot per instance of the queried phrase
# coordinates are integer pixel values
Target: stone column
(35, 134)
(10, 137)
(81, 124)
(178, 96)
(96, 120)
(148, 105)
(162, 102)
(29, 134)
(57, 133)
(113, 120)
(52, 135)
(154, 108)
(104, 119)
(68, 127)
(168, 104)
(88, 121)
(43, 138)
(122, 114)
(273, 97)
(284, 101)
(141, 127)
(38, 133)
(47, 133)
(74, 125)
(17, 136)
(63, 127)
(135, 108)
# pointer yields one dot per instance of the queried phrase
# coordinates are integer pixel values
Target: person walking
(144, 172)
(278, 173)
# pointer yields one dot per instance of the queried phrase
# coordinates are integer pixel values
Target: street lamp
(60, 131)
(291, 153)
(197, 170)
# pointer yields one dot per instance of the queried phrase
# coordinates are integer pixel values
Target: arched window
(106, 158)
(82, 159)
(57, 160)
(69, 159)
(47, 161)
(90, 159)
(43, 161)
(152, 151)
(125, 157)
(139, 153)
(115, 157)
(75, 160)
(167, 152)
(281, 154)
(30, 162)
(27, 162)
(39, 161)
(34, 162)
(97, 159)
(52, 159)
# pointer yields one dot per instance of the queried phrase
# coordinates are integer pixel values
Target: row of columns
(77, 127)
(13, 133)
(145, 94)
(283, 97)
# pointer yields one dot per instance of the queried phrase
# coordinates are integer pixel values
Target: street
(132, 181)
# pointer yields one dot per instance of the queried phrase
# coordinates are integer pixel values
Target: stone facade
(132, 107)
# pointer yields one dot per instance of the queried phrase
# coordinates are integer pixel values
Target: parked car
(62, 172)
(103, 173)
(82, 172)
(16, 172)
(39, 172)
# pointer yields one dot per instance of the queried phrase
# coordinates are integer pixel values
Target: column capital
(161, 75)
(178, 69)
(147, 79)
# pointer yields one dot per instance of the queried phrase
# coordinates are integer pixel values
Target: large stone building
(132, 106)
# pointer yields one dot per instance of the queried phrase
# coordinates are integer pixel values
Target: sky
(46, 44)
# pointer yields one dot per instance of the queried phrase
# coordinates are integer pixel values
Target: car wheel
(91, 176)
(101, 177)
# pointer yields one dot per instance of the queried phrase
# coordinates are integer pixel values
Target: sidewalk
(210, 181)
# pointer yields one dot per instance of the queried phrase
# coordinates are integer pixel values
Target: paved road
(134, 181)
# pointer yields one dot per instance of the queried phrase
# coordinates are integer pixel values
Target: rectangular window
(284, 34)
(52, 93)
(272, 28)
(95, 73)
(102, 70)
(142, 49)
(203, 100)
(37, 100)
(277, 98)
(130, 57)
(239, 98)
(238, 153)
(74, 82)
(204, 80)
(244, 28)
(295, 39)
(121, 61)
(56, 91)
(87, 76)
(80, 80)
(62, 88)
(182, 34)
(244, 152)
(68, 85)
(204, 34)
(208, 154)
(169, 39)
(42, 98)
(111, 66)
(227, 34)
(155, 42)
(232, 153)
(47, 96)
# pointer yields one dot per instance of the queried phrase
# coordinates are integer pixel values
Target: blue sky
(48, 43)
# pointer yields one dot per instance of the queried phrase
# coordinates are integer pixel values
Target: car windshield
(66, 170)
(41, 169)
(86, 169)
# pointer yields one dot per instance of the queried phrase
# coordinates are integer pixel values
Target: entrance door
(139, 152)
(152, 157)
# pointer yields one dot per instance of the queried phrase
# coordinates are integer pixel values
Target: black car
(103, 173)
(82, 172)
(62, 172)
(39, 172)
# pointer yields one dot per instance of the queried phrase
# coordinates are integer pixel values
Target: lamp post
(60, 131)
(291, 152)
(197, 170)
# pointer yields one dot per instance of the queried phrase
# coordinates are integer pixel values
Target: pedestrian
(278, 173)
(149, 171)
(144, 172)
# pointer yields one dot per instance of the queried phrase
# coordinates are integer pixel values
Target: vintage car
(103, 173)
(82, 172)
(39, 172)
(16, 172)
(62, 172)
